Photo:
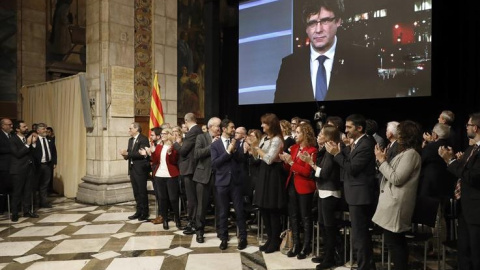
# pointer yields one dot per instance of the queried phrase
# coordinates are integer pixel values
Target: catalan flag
(156, 109)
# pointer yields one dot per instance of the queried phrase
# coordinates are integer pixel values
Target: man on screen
(327, 69)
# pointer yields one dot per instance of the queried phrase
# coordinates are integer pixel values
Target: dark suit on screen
(358, 173)
(469, 219)
(139, 169)
(353, 75)
(228, 168)
(21, 171)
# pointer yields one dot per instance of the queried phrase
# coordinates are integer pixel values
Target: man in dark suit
(357, 163)
(227, 163)
(203, 176)
(45, 155)
(391, 134)
(5, 155)
(186, 164)
(467, 169)
(138, 169)
(21, 170)
(328, 69)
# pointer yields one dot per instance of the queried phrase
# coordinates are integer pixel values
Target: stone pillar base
(103, 191)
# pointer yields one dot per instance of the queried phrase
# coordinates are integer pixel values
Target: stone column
(110, 51)
(165, 55)
(31, 40)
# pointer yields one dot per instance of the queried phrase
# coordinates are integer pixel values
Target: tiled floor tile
(79, 246)
(80, 223)
(54, 218)
(250, 249)
(3, 265)
(16, 248)
(22, 225)
(148, 242)
(3, 228)
(57, 237)
(106, 255)
(122, 235)
(144, 263)
(178, 251)
(99, 229)
(67, 265)
(29, 258)
(277, 260)
(96, 212)
(38, 231)
(84, 209)
(113, 217)
(8, 221)
(224, 261)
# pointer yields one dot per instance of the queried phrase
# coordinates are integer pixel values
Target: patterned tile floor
(78, 236)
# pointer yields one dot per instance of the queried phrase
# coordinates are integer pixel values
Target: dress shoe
(178, 224)
(304, 253)
(294, 250)
(273, 246)
(317, 259)
(143, 217)
(325, 265)
(134, 216)
(15, 217)
(223, 244)
(46, 205)
(157, 220)
(242, 244)
(200, 239)
(30, 215)
(165, 224)
(189, 230)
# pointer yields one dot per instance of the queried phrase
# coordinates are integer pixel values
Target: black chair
(451, 216)
(424, 214)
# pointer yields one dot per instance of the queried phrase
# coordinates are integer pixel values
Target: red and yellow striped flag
(156, 110)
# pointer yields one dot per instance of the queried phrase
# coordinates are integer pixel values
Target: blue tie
(321, 87)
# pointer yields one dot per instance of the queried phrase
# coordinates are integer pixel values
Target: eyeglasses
(322, 22)
(470, 125)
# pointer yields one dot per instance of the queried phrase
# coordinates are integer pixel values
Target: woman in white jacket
(398, 190)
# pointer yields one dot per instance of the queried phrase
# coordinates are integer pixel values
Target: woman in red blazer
(165, 178)
(300, 188)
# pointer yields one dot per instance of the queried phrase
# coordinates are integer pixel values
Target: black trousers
(44, 174)
(397, 244)
(22, 191)
(5, 188)
(203, 193)
(360, 215)
(468, 245)
(234, 194)
(327, 208)
(191, 197)
(139, 186)
(299, 208)
(272, 223)
(167, 190)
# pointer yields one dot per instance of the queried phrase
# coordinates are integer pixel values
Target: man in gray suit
(203, 176)
(357, 163)
(186, 164)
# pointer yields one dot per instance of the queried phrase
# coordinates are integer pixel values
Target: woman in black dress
(270, 193)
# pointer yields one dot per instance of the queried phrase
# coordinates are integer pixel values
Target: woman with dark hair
(287, 135)
(270, 194)
(398, 190)
(300, 189)
(327, 177)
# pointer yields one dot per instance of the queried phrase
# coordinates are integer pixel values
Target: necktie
(227, 142)
(24, 140)
(458, 186)
(353, 147)
(321, 86)
(45, 148)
